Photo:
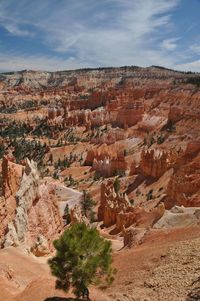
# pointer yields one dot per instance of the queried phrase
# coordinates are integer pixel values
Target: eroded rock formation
(155, 162)
(115, 209)
(11, 178)
(11, 175)
(184, 186)
(133, 236)
(35, 211)
(107, 161)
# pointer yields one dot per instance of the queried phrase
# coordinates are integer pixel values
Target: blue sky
(70, 34)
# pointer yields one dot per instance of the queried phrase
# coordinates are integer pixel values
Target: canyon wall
(35, 211)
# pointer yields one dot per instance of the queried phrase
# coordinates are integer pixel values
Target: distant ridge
(133, 67)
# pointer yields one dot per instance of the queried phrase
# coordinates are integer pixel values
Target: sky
(69, 34)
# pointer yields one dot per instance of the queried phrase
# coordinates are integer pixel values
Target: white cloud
(16, 62)
(122, 42)
(15, 30)
(195, 48)
(170, 44)
(94, 33)
(190, 66)
(13, 26)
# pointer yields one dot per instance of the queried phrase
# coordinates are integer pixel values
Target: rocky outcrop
(125, 109)
(179, 217)
(133, 236)
(76, 215)
(108, 167)
(112, 204)
(44, 217)
(139, 217)
(11, 178)
(36, 212)
(115, 209)
(184, 186)
(41, 246)
(110, 136)
(156, 162)
(28, 192)
(4, 218)
(100, 153)
(106, 161)
(151, 123)
(11, 175)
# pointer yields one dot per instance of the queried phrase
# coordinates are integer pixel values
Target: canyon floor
(116, 148)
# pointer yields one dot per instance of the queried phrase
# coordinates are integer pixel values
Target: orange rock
(184, 186)
(155, 162)
(34, 209)
(115, 209)
(11, 176)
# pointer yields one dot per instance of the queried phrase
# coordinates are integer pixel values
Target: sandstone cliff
(36, 211)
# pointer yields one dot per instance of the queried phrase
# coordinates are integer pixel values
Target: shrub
(152, 141)
(194, 81)
(2, 150)
(67, 216)
(87, 204)
(150, 195)
(125, 153)
(30, 149)
(116, 185)
(160, 139)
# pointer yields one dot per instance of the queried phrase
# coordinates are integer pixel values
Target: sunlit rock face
(155, 162)
(11, 178)
(34, 206)
(11, 174)
(115, 209)
(184, 186)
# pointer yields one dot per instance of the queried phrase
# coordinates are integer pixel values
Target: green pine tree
(82, 258)
(67, 214)
(87, 203)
